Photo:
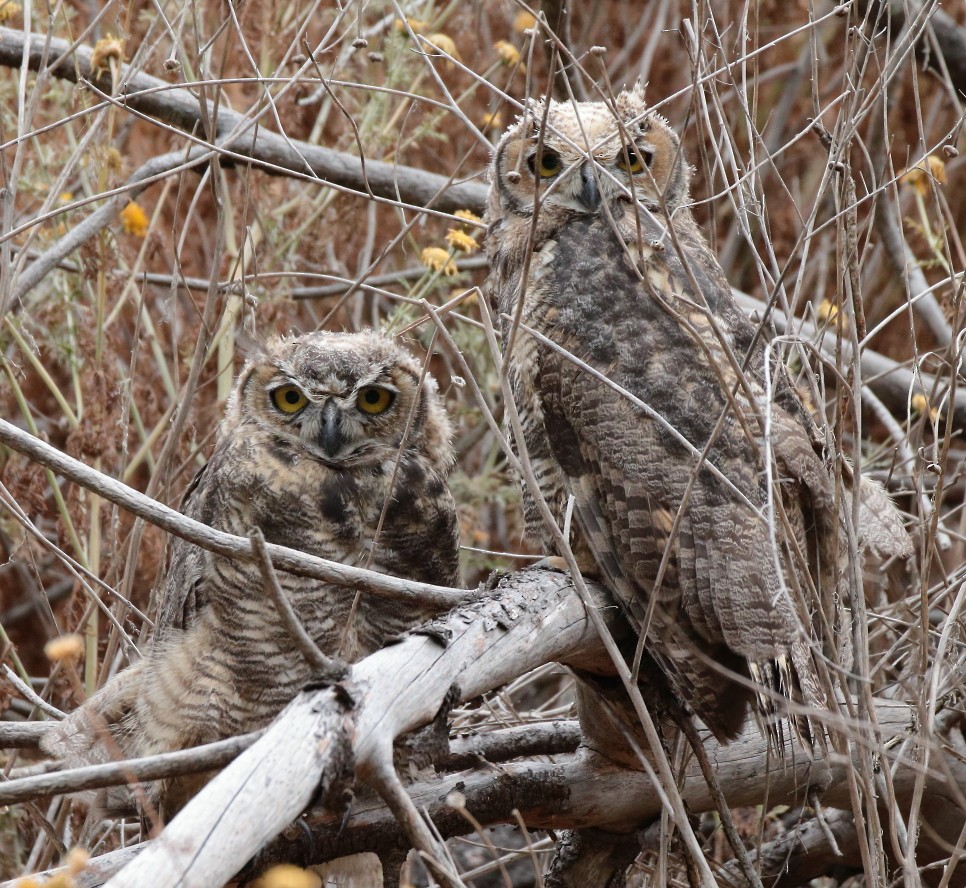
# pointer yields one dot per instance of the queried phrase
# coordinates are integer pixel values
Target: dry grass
(97, 355)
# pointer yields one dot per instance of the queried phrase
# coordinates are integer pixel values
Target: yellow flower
(494, 120)
(920, 405)
(439, 260)
(933, 167)
(64, 647)
(107, 50)
(416, 25)
(468, 216)
(77, 860)
(9, 10)
(522, 21)
(507, 52)
(65, 196)
(444, 43)
(827, 311)
(135, 220)
(114, 160)
(285, 875)
(460, 240)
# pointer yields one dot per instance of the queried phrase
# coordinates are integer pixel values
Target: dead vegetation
(182, 177)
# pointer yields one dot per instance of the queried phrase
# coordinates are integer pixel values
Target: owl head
(344, 399)
(586, 155)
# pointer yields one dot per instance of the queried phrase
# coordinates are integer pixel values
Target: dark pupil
(548, 161)
(631, 157)
(648, 157)
(371, 396)
(291, 397)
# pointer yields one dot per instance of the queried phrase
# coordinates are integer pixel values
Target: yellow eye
(373, 399)
(548, 164)
(289, 398)
(632, 160)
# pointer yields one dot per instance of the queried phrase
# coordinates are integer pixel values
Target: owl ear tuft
(248, 345)
(533, 107)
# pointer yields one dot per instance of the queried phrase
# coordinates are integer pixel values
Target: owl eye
(374, 399)
(634, 161)
(289, 398)
(547, 165)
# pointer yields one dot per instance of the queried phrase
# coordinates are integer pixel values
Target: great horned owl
(332, 445)
(644, 393)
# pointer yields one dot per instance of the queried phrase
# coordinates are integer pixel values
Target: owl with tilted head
(336, 444)
(701, 497)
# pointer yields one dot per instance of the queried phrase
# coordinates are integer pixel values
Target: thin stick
(229, 545)
(30, 694)
(314, 656)
(153, 767)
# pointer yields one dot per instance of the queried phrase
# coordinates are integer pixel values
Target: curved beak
(589, 194)
(330, 435)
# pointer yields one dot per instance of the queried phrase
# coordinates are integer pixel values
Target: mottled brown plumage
(701, 493)
(307, 452)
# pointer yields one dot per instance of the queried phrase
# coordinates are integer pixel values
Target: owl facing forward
(334, 444)
(700, 495)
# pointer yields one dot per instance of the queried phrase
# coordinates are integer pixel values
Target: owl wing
(646, 501)
(181, 597)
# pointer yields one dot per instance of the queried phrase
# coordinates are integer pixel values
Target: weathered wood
(306, 752)
(22, 735)
(534, 618)
(579, 791)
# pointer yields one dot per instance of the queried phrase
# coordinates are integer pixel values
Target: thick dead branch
(534, 617)
(236, 133)
(22, 735)
(585, 790)
(805, 853)
(577, 792)
(227, 544)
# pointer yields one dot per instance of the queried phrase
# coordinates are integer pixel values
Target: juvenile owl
(701, 496)
(327, 436)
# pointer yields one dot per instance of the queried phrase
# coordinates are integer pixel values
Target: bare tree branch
(894, 383)
(534, 617)
(166, 764)
(950, 37)
(227, 544)
(550, 738)
(237, 133)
